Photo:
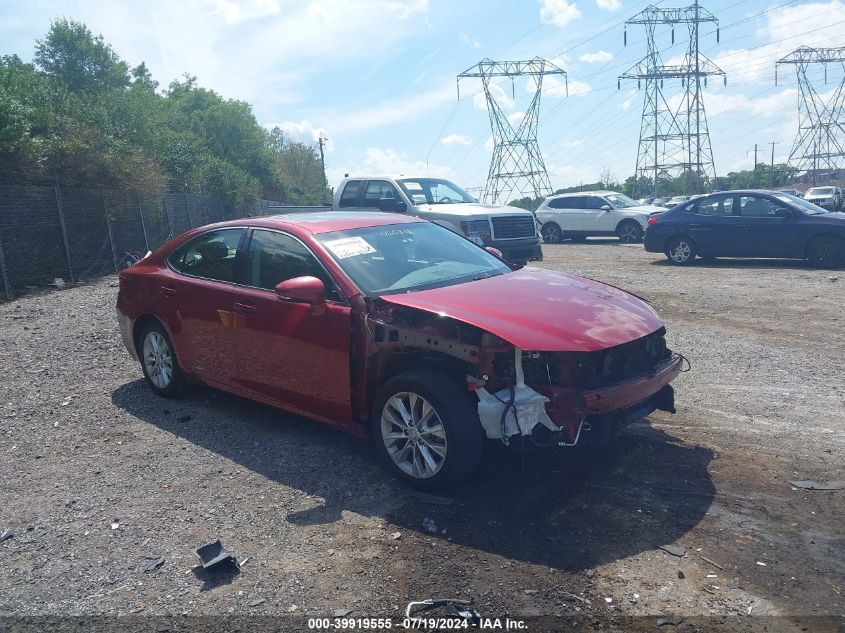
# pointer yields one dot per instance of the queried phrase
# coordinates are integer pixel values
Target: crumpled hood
(541, 310)
(474, 209)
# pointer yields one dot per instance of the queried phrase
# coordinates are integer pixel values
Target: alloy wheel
(826, 254)
(628, 233)
(681, 253)
(413, 435)
(158, 359)
(552, 234)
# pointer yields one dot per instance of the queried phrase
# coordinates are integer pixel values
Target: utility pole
(772, 173)
(321, 139)
(754, 173)
(517, 166)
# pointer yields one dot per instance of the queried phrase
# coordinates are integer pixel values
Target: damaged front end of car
(557, 398)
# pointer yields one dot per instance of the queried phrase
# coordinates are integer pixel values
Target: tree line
(81, 115)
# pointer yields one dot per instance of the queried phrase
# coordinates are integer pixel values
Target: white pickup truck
(509, 229)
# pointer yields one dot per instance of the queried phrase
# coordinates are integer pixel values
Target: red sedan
(398, 329)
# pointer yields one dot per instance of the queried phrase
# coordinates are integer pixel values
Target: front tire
(426, 429)
(680, 250)
(629, 232)
(826, 252)
(159, 362)
(552, 233)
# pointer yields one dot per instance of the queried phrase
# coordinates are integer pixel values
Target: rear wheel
(680, 250)
(426, 429)
(826, 252)
(158, 361)
(629, 232)
(551, 232)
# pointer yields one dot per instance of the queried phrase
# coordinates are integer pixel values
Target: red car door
(195, 301)
(285, 351)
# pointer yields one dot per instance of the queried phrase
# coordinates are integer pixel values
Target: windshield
(806, 207)
(620, 200)
(407, 257)
(820, 191)
(434, 191)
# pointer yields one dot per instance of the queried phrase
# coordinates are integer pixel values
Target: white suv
(577, 216)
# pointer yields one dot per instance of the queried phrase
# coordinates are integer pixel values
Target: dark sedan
(748, 224)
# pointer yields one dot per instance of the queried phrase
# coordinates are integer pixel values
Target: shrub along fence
(73, 234)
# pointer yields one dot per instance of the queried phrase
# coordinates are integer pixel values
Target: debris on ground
(673, 620)
(762, 564)
(255, 603)
(681, 575)
(6, 535)
(341, 613)
(674, 550)
(819, 485)
(115, 525)
(154, 563)
(213, 554)
(715, 564)
(396, 536)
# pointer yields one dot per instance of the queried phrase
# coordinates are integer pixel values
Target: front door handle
(244, 308)
(168, 291)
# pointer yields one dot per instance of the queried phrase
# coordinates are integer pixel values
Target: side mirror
(494, 251)
(392, 205)
(308, 290)
(606, 207)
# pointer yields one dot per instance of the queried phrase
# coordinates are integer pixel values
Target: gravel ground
(101, 478)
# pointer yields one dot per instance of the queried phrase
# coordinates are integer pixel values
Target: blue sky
(377, 77)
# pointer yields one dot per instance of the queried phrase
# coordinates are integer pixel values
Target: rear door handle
(168, 291)
(244, 308)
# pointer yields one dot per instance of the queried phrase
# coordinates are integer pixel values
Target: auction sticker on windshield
(350, 247)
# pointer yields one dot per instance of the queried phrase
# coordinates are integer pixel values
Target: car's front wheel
(551, 232)
(426, 429)
(158, 361)
(826, 252)
(630, 232)
(680, 250)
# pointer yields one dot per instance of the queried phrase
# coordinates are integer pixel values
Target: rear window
(349, 196)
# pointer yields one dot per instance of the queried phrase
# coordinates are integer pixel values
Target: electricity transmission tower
(821, 135)
(517, 165)
(674, 138)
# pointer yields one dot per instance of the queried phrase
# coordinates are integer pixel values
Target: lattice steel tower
(674, 138)
(517, 165)
(821, 135)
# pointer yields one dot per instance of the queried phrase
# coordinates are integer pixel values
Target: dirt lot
(100, 478)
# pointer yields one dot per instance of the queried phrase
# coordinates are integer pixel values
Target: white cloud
(471, 41)
(456, 139)
(609, 5)
(515, 118)
(236, 11)
(573, 144)
(392, 162)
(630, 98)
(504, 99)
(558, 12)
(489, 144)
(598, 56)
(303, 131)
(578, 88)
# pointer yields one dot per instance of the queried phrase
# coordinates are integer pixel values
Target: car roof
(602, 192)
(324, 221)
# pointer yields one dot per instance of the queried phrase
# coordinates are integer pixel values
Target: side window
(376, 190)
(350, 193)
(564, 203)
(276, 257)
(715, 206)
(210, 255)
(595, 202)
(756, 207)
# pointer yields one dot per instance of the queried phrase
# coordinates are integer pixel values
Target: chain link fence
(72, 234)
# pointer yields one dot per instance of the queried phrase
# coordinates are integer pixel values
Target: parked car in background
(577, 216)
(676, 200)
(661, 202)
(791, 192)
(750, 223)
(391, 327)
(829, 198)
(642, 201)
(510, 230)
